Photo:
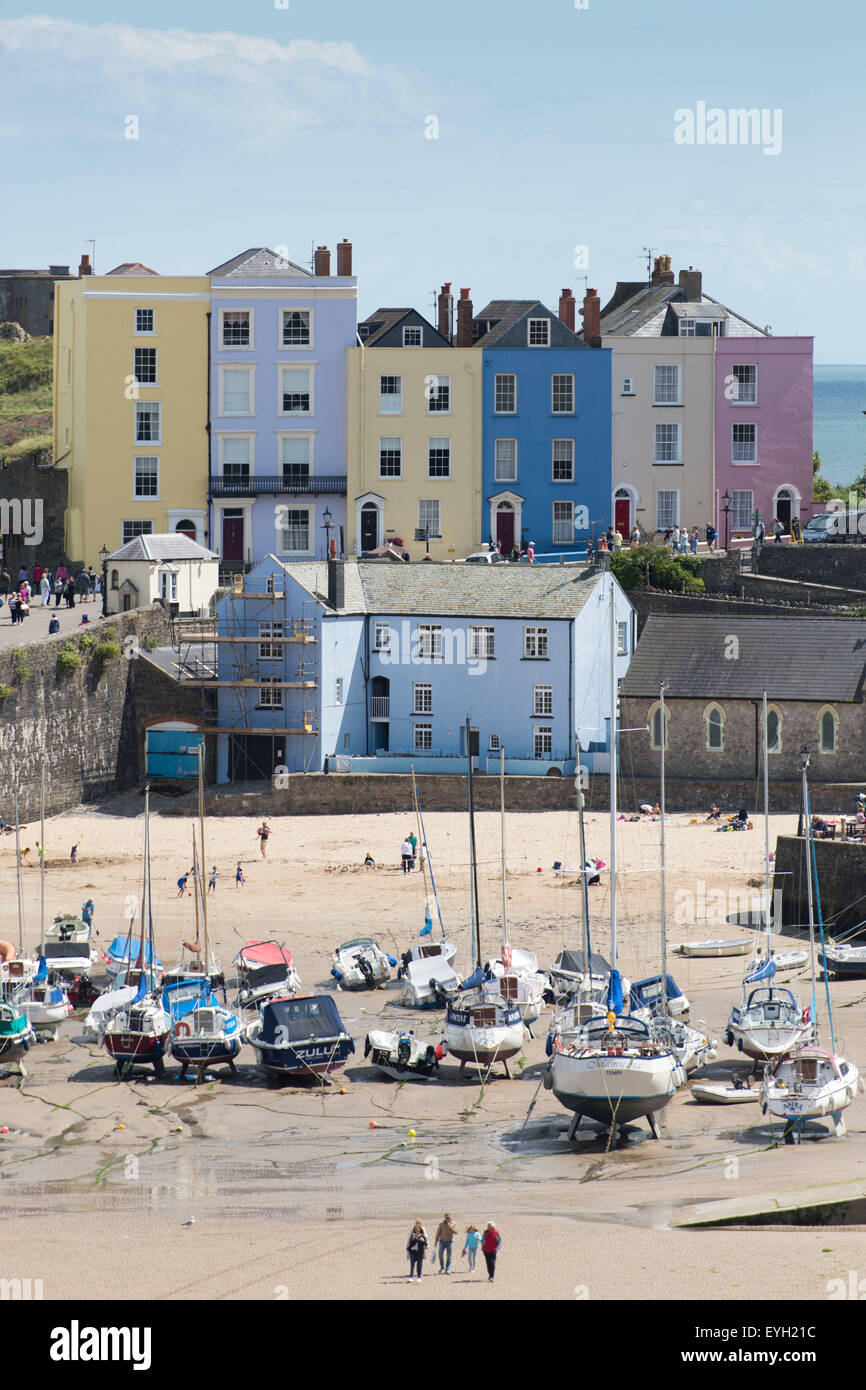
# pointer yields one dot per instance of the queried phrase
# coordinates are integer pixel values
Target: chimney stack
(464, 320)
(446, 311)
(85, 267)
(336, 584)
(691, 281)
(344, 257)
(322, 261)
(662, 273)
(591, 313)
(566, 308)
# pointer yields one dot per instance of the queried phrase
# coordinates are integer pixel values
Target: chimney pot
(690, 282)
(322, 261)
(662, 273)
(344, 257)
(446, 311)
(336, 584)
(464, 320)
(592, 318)
(567, 308)
(85, 267)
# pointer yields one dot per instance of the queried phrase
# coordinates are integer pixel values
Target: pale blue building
(374, 666)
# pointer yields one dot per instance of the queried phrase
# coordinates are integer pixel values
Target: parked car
(836, 527)
(486, 557)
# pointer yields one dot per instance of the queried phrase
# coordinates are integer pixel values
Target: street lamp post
(726, 508)
(327, 527)
(103, 555)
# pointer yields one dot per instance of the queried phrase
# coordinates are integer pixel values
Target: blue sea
(839, 432)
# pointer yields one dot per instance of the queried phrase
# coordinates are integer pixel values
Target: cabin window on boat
(774, 730)
(827, 730)
(655, 726)
(714, 722)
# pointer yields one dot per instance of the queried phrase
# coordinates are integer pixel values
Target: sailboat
(515, 975)
(204, 1032)
(16, 970)
(43, 998)
(768, 1022)
(615, 1068)
(811, 1081)
(480, 1027)
(139, 1030)
(426, 969)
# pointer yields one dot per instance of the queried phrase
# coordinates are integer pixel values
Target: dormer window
(539, 333)
(413, 336)
(687, 328)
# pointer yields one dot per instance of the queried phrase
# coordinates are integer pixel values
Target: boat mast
(18, 882)
(476, 925)
(41, 855)
(766, 828)
(584, 876)
(202, 874)
(613, 703)
(662, 740)
(808, 842)
(502, 839)
(196, 876)
(145, 877)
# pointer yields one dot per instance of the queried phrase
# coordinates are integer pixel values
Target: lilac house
(278, 339)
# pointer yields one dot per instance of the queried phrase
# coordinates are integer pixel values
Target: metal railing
(274, 484)
(380, 707)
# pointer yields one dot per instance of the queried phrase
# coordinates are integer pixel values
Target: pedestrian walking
(240, 881)
(87, 910)
(58, 590)
(406, 856)
(211, 883)
(92, 579)
(69, 593)
(82, 586)
(263, 833)
(470, 1246)
(490, 1243)
(45, 590)
(778, 531)
(445, 1233)
(416, 1249)
(712, 536)
(693, 540)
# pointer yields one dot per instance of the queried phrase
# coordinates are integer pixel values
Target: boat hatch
(205, 1021)
(484, 1017)
(424, 952)
(508, 987)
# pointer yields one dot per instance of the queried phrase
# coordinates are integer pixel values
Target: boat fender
(367, 1045)
(548, 1046)
(441, 1050)
(547, 1080)
(157, 1051)
(336, 974)
(807, 1014)
(182, 1029)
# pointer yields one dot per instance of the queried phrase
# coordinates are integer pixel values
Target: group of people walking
(409, 853)
(58, 584)
(488, 1241)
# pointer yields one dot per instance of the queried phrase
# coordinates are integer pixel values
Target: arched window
(186, 528)
(774, 730)
(828, 727)
(714, 722)
(655, 726)
(115, 579)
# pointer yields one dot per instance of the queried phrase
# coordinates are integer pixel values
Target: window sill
(535, 658)
(668, 405)
(549, 715)
(667, 463)
(744, 463)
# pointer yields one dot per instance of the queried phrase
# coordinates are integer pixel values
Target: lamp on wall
(327, 526)
(726, 508)
(103, 556)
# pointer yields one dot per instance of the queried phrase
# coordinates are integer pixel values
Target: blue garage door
(173, 752)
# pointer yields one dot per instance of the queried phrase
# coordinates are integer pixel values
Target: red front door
(622, 516)
(505, 530)
(233, 539)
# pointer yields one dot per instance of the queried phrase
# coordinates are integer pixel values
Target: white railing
(381, 705)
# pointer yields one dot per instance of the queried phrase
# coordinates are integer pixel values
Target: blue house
(375, 665)
(279, 335)
(546, 445)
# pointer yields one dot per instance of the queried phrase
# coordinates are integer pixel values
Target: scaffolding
(225, 654)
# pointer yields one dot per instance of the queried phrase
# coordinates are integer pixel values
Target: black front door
(369, 527)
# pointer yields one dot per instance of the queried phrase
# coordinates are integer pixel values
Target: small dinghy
(790, 960)
(300, 1039)
(837, 960)
(67, 927)
(361, 964)
(725, 1093)
(428, 983)
(402, 1055)
(738, 946)
(265, 971)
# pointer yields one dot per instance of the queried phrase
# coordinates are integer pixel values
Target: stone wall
(31, 480)
(841, 871)
(840, 564)
(87, 727)
(753, 602)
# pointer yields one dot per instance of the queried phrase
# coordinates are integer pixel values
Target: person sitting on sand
(369, 861)
(715, 813)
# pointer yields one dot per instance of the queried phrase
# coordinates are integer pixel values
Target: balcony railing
(272, 485)
(380, 707)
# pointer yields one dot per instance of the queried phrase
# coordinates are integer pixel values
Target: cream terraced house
(414, 413)
(130, 418)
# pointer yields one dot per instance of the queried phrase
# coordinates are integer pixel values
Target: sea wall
(841, 873)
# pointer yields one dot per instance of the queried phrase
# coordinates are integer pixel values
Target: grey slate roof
(164, 546)
(509, 331)
(260, 262)
(460, 591)
(821, 659)
(627, 317)
(384, 321)
(132, 268)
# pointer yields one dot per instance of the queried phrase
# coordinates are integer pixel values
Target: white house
(170, 567)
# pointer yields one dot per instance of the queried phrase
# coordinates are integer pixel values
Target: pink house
(763, 431)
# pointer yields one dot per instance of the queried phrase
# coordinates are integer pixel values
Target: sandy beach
(294, 1194)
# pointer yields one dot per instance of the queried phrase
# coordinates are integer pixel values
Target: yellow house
(413, 439)
(130, 406)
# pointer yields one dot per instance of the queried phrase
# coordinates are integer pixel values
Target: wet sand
(292, 1194)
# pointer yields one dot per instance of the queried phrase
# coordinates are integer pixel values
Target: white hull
(715, 1093)
(738, 947)
(347, 968)
(402, 1056)
(765, 1041)
(42, 1014)
(614, 1089)
(484, 1045)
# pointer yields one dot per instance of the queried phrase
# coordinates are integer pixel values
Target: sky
(561, 152)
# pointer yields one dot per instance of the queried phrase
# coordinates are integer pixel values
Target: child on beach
(211, 883)
(471, 1244)
(73, 853)
(239, 876)
(263, 833)
(181, 885)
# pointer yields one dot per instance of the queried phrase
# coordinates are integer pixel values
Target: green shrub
(22, 670)
(105, 651)
(69, 660)
(655, 566)
(86, 640)
(6, 691)
(150, 643)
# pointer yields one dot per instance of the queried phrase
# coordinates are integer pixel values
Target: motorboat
(769, 1023)
(838, 959)
(428, 983)
(300, 1038)
(399, 1054)
(67, 927)
(648, 994)
(204, 1032)
(811, 1083)
(736, 946)
(16, 1033)
(361, 964)
(265, 971)
(68, 959)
